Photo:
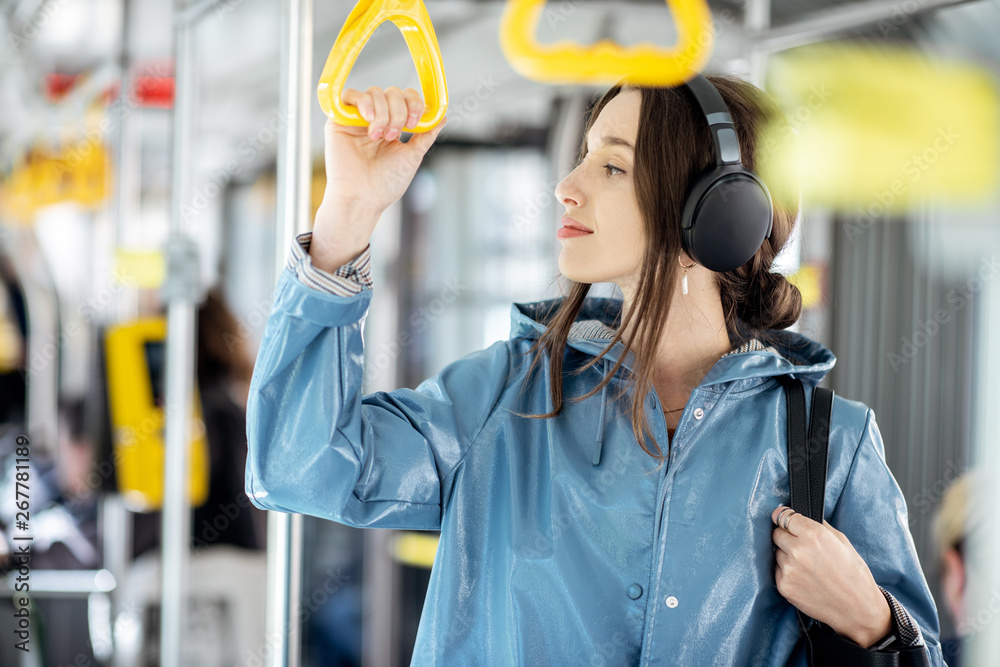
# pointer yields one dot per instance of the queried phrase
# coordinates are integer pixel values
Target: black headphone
(728, 210)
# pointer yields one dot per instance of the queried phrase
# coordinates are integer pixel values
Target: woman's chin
(583, 276)
(579, 270)
(571, 270)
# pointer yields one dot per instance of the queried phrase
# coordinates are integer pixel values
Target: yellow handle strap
(607, 62)
(410, 16)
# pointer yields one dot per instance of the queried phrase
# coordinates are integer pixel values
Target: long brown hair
(674, 146)
(222, 347)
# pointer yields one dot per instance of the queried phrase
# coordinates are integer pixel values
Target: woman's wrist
(340, 234)
(877, 626)
(327, 255)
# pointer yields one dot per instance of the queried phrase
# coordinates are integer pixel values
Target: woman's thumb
(422, 141)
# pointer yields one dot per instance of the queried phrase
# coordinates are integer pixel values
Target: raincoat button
(671, 601)
(699, 413)
(634, 591)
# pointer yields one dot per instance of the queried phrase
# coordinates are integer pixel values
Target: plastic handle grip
(410, 16)
(607, 62)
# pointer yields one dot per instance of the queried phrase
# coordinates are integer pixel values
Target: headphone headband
(720, 122)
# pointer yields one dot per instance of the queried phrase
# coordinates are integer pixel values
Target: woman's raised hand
(820, 573)
(367, 170)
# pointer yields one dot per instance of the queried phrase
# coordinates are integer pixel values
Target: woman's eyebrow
(615, 141)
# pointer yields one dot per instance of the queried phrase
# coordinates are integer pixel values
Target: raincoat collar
(786, 352)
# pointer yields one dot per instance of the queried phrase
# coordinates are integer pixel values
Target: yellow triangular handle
(410, 16)
(607, 62)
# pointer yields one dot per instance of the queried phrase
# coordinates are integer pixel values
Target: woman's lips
(571, 228)
(571, 232)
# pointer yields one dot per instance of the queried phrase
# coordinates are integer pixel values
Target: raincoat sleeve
(317, 446)
(872, 513)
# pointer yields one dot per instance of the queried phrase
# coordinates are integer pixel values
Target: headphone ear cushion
(726, 219)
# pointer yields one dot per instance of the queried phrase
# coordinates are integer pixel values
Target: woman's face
(602, 230)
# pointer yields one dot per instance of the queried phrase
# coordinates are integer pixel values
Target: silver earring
(684, 280)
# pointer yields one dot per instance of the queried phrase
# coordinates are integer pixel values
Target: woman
(626, 512)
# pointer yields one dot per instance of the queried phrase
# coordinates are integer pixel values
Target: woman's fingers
(377, 124)
(397, 112)
(387, 111)
(781, 558)
(839, 535)
(788, 519)
(371, 106)
(782, 539)
(422, 141)
(777, 513)
(414, 105)
(362, 101)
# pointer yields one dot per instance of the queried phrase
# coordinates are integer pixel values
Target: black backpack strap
(798, 454)
(807, 452)
(819, 444)
(807, 460)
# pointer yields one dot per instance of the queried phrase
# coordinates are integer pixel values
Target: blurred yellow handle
(410, 16)
(607, 62)
(80, 172)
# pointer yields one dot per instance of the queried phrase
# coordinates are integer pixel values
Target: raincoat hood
(786, 353)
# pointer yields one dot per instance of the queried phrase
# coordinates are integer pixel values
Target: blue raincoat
(562, 542)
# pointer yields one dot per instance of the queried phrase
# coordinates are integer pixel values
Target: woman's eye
(609, 167)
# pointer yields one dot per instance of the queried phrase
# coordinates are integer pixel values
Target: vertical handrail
(115, 517)
(757, 20)
(284, 531)
(179, 292)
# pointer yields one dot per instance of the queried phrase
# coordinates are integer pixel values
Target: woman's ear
(953, 584)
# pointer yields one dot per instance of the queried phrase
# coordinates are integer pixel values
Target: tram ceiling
(237, 90)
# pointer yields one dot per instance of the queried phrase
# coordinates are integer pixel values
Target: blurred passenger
(223, 375)
(63, 512)
(13, 333)
(953, 523)
(63, 525)
(223, 372)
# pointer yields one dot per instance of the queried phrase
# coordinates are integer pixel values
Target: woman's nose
(567, 191)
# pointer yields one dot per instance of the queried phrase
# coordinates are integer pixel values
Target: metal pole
(126, 154)
(284, 531)
(116, 519)
(179, 292)
(757, 19)
(176, 541)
